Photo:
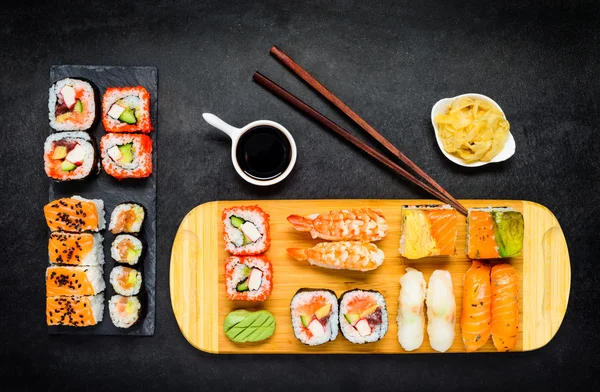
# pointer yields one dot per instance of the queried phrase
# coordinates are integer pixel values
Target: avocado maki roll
(126, 218)
(124, 311)
(314, 315)
(363, 316)
(494, 233)
(126, 249)
(126, 109)
(126, 156)
(70, 156)
(71, 105)
(246, 230)
(125, 280)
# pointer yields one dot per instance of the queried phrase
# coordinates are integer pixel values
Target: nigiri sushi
(494, 232)
(351, 255)
(441, 311)
(411, 316)
(364, 224)
(428, 231)
(505, 307)
(476, 317)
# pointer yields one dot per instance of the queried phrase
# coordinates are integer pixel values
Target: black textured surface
(113, 192)
(390, 61)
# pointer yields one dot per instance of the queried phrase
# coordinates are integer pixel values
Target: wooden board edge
(546, 277)
(200, 278)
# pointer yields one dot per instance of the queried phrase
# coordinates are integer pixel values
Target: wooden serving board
(197, 277)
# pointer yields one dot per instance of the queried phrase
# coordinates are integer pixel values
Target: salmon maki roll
(476, 317)
(124, 311)
(127, 218)
(125, 280)
(246, 230)
(74, 281)
(428, 231)
(75, 311)
(248, 278)
(75, 249)
(363, 316)
(314, 315)
(126, 109)
(126, 156)
(505, 307)
(494, 233)
(75, 214)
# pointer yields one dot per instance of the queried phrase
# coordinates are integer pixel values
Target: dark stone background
(390, 61)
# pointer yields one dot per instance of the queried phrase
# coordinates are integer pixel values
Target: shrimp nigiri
(505, 307)
(441, 311)
(477, 298)
(365, 224)
(352, 255)
(411, 318)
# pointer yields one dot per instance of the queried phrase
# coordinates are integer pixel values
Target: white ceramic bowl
(441, 107)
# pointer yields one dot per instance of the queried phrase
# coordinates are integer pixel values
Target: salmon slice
(74, 311)
(67, 248)
(475, 320)
(69, 214)
(482, 240)
(443, 230)
(316, 303)
(505, 307)
(360, 303)
(69, 281)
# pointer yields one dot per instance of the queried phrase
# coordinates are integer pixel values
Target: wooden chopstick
(314, 83)
(299, 104)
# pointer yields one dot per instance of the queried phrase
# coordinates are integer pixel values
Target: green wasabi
(243, 326)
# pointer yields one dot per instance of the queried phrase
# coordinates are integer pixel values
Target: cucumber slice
(352, 318)
(67, 166)
(246, 271)
(243, 286)
(246, 240)
(78, 106)
(236, 222)
(128, 116)
(305, 320)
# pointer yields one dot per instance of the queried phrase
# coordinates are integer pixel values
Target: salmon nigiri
(505, 307)
(476, 316)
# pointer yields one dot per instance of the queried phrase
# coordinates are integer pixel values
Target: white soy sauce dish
(441, 107)
(263, 152)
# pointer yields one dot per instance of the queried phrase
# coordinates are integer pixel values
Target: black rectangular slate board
(113, 192)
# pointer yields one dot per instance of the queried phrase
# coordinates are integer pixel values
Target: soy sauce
(263, 152)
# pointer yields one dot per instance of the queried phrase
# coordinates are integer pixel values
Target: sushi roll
(126, 218)
(75, 214)
(126, 281)
(411, 313)
(246, 230)
(428, 231)
(71, 105)
(126, 156)
(126, 249)
(126, 109)
(62, 280)
(441, 310)
(494, 233)
(363, 316)
(76, 311)
(124, 311)
(70, 156)
(248, 278)
(80, 249)
(314, 316)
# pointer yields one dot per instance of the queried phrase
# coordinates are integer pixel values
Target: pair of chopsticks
(428, 184)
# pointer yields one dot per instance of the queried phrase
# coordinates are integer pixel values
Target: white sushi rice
(139, 216)
(331, 329)
(99, 209)
(238, 276)
(137, 246)
(131, 98)
(85, 141)
(131, 315)
(118, 271)
(234, 237)
(88, 97)
(349, 331)
(94, 275)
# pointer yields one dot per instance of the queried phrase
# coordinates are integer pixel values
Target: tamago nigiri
(411, 316)
(475, 320)
(505, 307)
(441, 310)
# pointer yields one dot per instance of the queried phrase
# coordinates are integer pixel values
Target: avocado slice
(352, 318)
(246, 240)
(78, 106)
(509, 235)
(305, 320)
(126, 151)
(67, 166)
(128, 116)
(246, 271)
(131, 254)
(323, 311)
(243, 286)
(236, 222)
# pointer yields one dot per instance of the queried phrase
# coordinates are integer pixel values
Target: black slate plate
(113, 192)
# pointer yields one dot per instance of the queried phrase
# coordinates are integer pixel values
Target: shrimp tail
(300, 223)
(298, 253)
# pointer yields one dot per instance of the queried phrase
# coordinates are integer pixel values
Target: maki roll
(75, 214)
(75, 311)
(248, 278)
(124, 311)
(126, 249)
(126, 156)
(70, 156)
(76, 249)
(314, 316)
(126, 281)
(74, 281)
(126, 218)
(428, 231)
(363, 316)
(126, 109)
(71, 105)
(494, 233)
(246, 230)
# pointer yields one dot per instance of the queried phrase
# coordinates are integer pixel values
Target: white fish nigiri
(441, 310)
(411, 316)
